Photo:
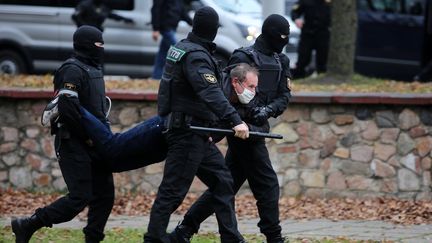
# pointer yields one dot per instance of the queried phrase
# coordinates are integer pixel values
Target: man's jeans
(137, 147)
(168, 39)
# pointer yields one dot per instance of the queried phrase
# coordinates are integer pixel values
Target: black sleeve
(200, 72)
(69, 77)
(114, 16)
(297, 10)
(80, 12)
(280, 103)
(156, 14)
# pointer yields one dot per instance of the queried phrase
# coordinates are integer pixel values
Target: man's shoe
(24, 228)
(181, 234)
(51, 113)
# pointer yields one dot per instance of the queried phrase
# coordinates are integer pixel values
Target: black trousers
(247, 160)
(317, 40)
(191, 154)
(89, 184)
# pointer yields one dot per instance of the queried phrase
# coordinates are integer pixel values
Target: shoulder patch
(295, 6)
(175, 54)
(70, 86)
(209, 78)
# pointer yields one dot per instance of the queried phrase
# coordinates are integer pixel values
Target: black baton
(231, 132)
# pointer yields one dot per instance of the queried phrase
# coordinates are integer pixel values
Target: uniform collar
(208, 45)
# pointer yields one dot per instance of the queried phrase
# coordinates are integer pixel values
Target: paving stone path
(319, 228)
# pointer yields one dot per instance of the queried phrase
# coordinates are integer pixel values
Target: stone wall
(328, 150)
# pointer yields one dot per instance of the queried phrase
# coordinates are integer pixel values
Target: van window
(410, 7)
(112, 4)
(48, 3)
(237, 6)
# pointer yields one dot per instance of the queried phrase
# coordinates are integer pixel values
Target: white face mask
(246, 96)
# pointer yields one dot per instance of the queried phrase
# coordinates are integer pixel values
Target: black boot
(25, 227)
(90, 240)
(275, 239)
(181, 234)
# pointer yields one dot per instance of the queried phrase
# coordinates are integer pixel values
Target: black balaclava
(206, 23)
(84, 40)
(273, 27)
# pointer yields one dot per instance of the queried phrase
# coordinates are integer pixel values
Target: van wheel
(11, 63)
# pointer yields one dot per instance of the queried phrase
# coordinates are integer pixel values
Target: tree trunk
(342, 38)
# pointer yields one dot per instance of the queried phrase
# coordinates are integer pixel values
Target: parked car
(391, 38)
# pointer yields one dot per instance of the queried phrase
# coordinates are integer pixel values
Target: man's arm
(70, 78)
(80, 11)
(156, 14)
(200, 72)
(280, 103)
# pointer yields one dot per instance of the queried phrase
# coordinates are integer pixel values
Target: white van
(36, 35)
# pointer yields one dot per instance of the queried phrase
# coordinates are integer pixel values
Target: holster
(177, 120)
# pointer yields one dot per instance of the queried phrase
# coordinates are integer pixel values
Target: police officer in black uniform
(313, 18)
(88, 182)
(249, 159)
(190, 94)
(94, 13)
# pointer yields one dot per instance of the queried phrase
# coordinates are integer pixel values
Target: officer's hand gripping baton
(231, 132)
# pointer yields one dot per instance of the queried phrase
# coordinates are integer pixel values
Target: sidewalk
(319, 228)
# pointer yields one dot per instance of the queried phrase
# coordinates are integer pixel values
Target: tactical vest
(92, 93)
(270, 73)
(175, 92)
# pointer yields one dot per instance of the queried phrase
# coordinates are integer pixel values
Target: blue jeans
(137, 147)
(168, 39)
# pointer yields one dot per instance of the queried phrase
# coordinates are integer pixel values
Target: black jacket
(166, 14)
(283, 93)
(190, 83)
(87, 13)
(316, 14)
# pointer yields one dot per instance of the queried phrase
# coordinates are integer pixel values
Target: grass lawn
(134, 235)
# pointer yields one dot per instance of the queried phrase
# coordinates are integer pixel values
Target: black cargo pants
(89, 184)
(191, 154)
(247, 160)
(318, 40)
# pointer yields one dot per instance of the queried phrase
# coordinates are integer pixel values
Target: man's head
(88, 42)
(244, 80)
(275, 31)
(206, 23)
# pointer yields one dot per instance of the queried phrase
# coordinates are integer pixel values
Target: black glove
(70, 116)
(261, 114)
